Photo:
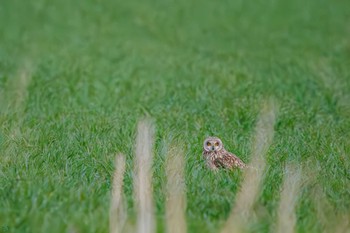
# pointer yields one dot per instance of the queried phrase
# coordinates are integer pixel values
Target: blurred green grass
(198, 68)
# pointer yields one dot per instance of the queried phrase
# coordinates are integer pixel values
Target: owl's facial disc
(212, 144)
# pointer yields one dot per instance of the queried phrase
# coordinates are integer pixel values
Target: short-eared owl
(217, 157)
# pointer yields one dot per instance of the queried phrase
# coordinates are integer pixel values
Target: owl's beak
(212, 148)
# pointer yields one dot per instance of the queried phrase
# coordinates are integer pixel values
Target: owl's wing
(229, 160)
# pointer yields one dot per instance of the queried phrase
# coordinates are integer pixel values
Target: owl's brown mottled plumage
(217, 157)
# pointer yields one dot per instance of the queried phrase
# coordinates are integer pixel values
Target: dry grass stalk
(324, 71)
(17, 89)
(330, 220)
(22, 87)
(143, 178)
(118, 214)
(286, 217)
(175, 191)
(12, 101)
(253, 175)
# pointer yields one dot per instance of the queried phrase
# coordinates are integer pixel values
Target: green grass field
(77, 76)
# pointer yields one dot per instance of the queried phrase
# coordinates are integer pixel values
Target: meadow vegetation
(76, 78)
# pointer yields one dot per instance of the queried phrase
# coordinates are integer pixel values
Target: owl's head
(212, 144)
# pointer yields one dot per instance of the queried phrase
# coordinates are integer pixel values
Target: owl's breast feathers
(223, 159)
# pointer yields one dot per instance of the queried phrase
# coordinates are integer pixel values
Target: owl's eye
(216, 143)
(208, 144)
